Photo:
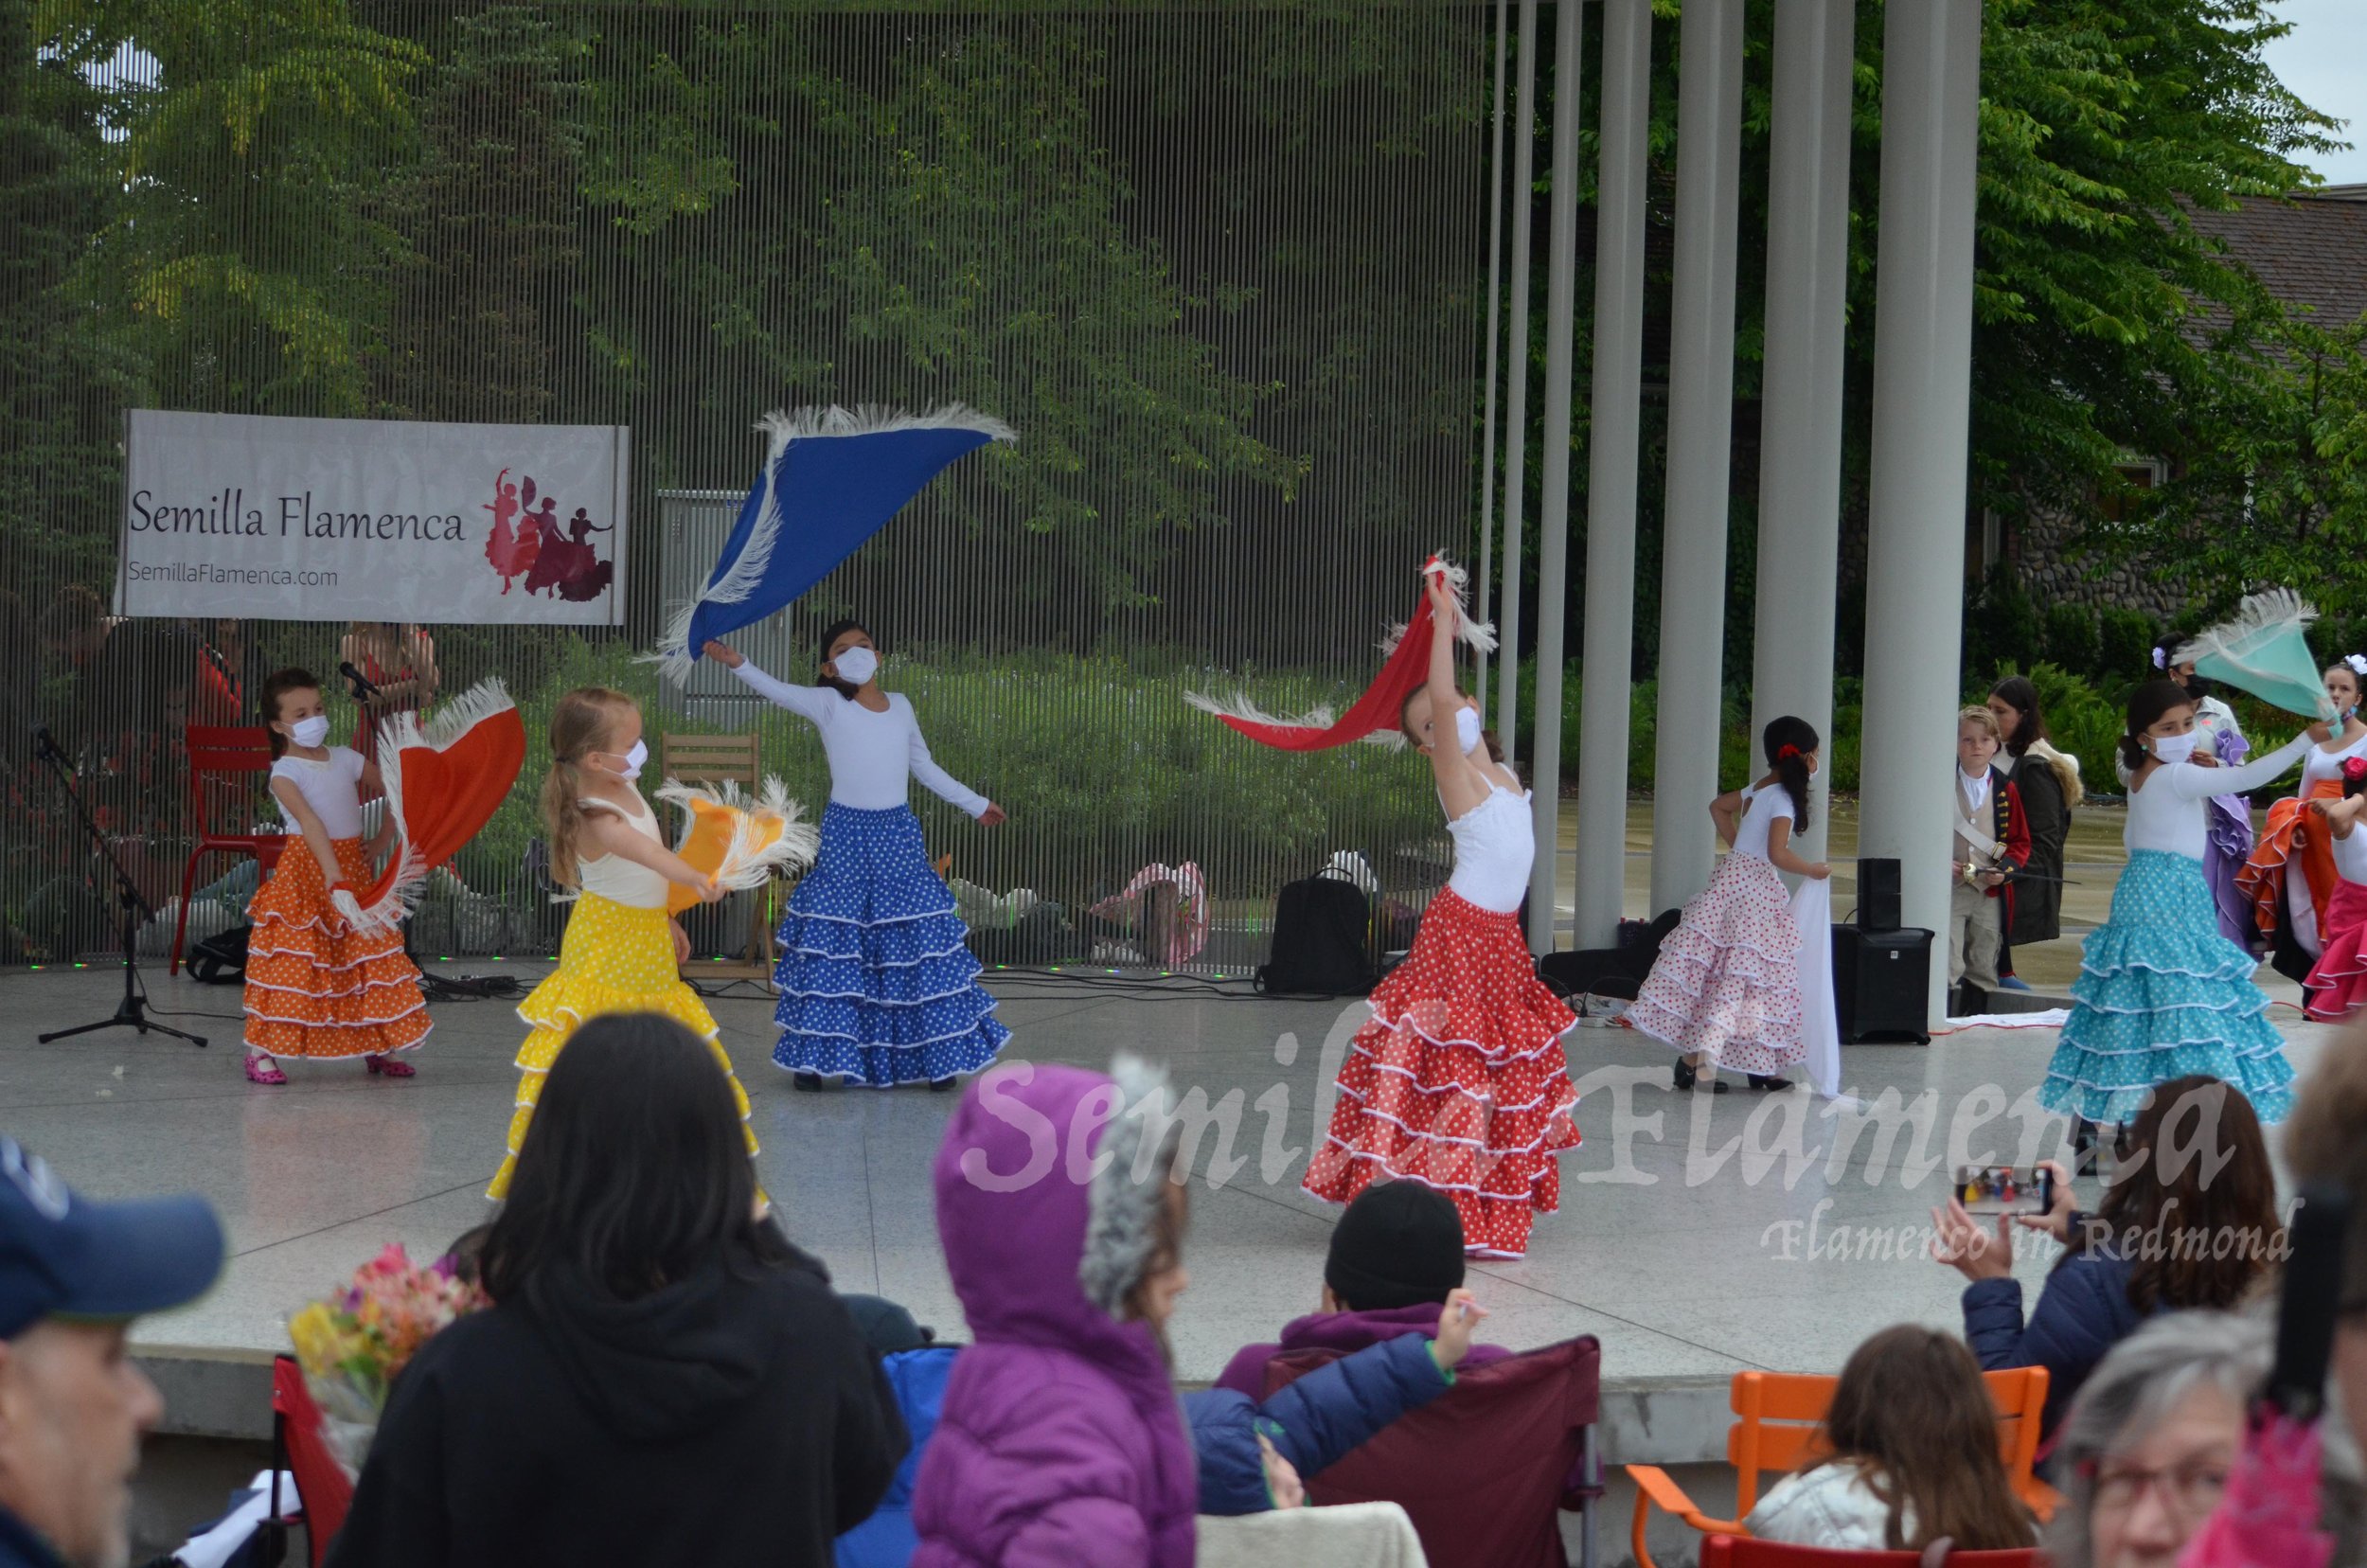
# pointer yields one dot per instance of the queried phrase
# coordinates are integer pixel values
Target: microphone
(43, 744)
(363, 686)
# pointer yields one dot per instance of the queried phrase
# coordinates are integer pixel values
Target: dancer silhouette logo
(528, 541)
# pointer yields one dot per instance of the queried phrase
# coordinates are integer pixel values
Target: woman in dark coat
(2047, 782)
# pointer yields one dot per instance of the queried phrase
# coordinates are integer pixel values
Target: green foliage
(1100, 764)
(2001, 623)
(2068, 638)
(2124, 644)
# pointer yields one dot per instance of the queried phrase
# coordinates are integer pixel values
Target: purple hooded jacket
(1345, 1333)
(1061, 1444)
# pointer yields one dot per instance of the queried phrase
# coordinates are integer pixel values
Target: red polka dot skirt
(1459, 1081)
(1727, 980)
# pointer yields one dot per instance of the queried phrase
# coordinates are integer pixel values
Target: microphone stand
(132, 1010)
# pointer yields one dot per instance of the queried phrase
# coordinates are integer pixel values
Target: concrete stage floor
(1683, 1266)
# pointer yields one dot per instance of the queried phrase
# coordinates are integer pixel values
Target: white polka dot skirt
(1727, 980)
(2162, 994)
(876, 984)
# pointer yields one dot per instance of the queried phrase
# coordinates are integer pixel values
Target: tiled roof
(2310, 252)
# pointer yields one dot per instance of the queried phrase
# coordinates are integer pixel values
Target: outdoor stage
(1678, 1271)
(1686, 1275)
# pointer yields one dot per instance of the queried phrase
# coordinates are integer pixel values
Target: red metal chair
(322, 1484)
(220, 753)
(1720, 1551)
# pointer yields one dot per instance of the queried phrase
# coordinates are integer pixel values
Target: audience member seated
(1060, 1438)
(917, 1369)
(2326, 1141)
(73, 1276)
(1396, 1255)
(2196, 1167)
(662, 1379)
(1906, 1456)
(2148, 1444)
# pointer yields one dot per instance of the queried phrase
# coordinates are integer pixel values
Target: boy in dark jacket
(1396, 1255)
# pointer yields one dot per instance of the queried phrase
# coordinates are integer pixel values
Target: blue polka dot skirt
(2162, 994)
(875, 984)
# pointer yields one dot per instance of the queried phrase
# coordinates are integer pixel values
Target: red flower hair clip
(2355, 768)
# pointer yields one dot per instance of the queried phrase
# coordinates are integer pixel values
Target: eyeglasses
(2191, 1490)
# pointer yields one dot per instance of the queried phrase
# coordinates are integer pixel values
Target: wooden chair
(712, 759)
(1775, 1420)
(220, 753)
(1720, 1551)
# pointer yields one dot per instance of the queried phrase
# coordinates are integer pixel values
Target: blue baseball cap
(63, 1256)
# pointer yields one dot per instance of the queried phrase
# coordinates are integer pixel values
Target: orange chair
(1721, 1551)
(218, 754)
(1775, 1420)
(322, 1484)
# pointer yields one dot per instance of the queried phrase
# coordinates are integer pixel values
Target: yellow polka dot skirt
(614, 958)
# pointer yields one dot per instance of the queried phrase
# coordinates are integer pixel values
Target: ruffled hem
(294, 1040)
(912, 984)
(1495, 1223)
(2106, 1087)
(563, 1003)
(884, 1065)
(543, 1048)
(1726, 984)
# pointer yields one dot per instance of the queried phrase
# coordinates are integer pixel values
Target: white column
(1922, 402)
(1516, 384)
(1807, 286)
(1495, 308)
(1609, 655)
(1701, 448)
(1552, 500)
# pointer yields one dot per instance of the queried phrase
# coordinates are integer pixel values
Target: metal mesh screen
(1216, 266)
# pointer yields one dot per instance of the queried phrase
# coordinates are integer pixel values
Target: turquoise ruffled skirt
(2162, 994)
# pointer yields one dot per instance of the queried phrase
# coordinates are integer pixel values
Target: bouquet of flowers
(351, 1345)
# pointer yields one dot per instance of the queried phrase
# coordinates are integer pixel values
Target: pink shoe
(262, 1069)
(389, 1066)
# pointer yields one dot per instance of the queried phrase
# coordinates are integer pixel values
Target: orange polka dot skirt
(317, 985)
(1459, 1081)
(614, 958)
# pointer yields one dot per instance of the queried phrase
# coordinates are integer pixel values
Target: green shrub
(2125, 644)
(2069, 638)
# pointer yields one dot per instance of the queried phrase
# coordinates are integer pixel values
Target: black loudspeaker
(1877, 895)
(1880, 982)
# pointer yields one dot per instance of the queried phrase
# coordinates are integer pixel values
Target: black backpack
(219, 960)
(1320, 945)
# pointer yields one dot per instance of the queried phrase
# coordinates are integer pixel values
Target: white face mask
(633, 758)
(2174, 748)
(857, 665)
(1467, 729)
(309, 733)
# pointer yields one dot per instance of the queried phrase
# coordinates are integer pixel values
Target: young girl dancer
(2161, 992)
(877, 984)
(2338, 982)
(2290, 877)
(1459, 1081)
(316, 985)
(622, 952)
(1725, 989)
(2227, 825)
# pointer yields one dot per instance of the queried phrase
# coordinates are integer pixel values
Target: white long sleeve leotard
(872, 755)
(2166, 811)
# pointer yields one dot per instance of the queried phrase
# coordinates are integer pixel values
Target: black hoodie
(733, 1418)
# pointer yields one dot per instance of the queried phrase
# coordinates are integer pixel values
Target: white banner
(266, 518)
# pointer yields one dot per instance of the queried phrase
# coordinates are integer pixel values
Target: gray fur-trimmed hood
(1121, 1227)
